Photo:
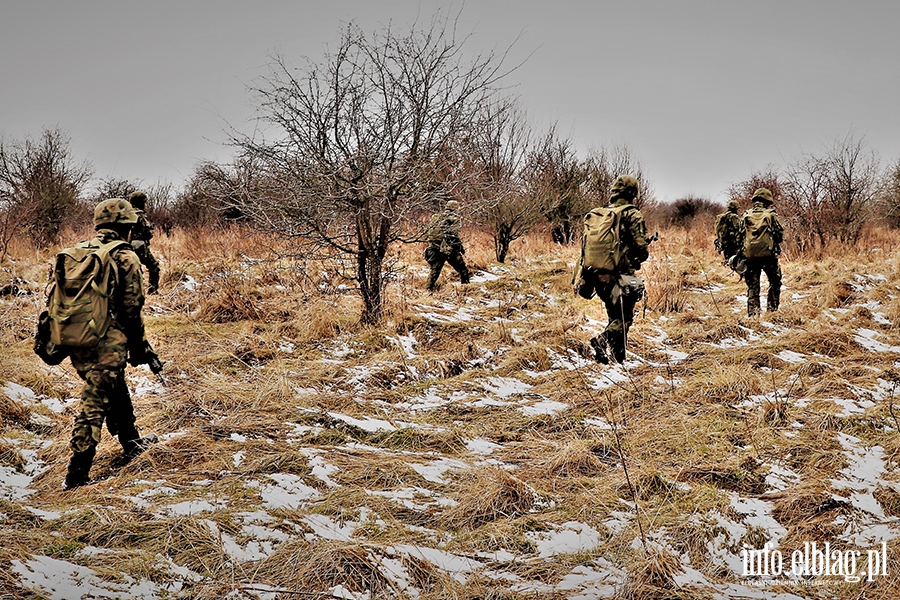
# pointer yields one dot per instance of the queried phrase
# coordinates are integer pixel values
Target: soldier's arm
(131, 295)
(777, 230)
(637, 232)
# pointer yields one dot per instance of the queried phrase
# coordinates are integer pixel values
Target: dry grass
(480, 438)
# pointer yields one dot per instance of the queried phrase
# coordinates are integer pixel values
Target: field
(468, 447)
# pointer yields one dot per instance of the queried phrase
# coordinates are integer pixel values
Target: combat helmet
(452, 205)
(763, 195)
(625, 186)
(113, 211)
(733, 205)
(138, 199)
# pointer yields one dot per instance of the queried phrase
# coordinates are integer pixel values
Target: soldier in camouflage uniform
(102, 367)
(141, 235)
(763, 201)
(728, 230)
(445, 244)
(620, 302)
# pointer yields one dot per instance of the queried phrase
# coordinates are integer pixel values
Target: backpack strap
(104, 252)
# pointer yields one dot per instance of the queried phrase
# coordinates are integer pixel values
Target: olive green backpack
(758, 239)
(80, 289)
(601, 248)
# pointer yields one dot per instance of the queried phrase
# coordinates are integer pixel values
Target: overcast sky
(702, 92)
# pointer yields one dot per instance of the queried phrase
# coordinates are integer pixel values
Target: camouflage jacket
(143, 229)
(443, 231)
(633, 235)
(127, 329)
(728, 230)
(777, 228)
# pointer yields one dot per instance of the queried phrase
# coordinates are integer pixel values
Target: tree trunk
(369, 262)
(502, 239)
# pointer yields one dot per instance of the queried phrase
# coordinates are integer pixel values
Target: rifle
(147, 356)
(156, 365)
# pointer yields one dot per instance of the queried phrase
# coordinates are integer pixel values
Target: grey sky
(703, 92)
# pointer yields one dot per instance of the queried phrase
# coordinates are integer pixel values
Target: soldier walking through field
(94, 315)
(445, 245)
(761, 235)
(141, 234)
(613, 247)
(728, 231)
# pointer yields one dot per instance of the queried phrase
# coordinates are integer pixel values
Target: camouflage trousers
(755, 267)
(620, 312)
(148, 260)
(105, 396)
(436, 259)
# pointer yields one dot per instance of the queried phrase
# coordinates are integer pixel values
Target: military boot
(133, 448)
(598, 344)
(79, 467)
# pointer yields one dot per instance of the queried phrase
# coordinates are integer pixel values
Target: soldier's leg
(773, 274)
(98, 388)
(435, 259)
(617, 331)
(457, 261)
(120, 419)
(752, 278)
(153, 271)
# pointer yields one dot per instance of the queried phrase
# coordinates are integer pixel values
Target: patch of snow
(788, 356)
(414, 498)
(504, 387)
(320, 469)
(324, 527)
(482, 446)
(599, 423)
(406, 342)
(289, 491)
(483, 277)
(190, 284)
(569, 538)
(867, 466)
(366, 423)
(544, 407)
(434, 471)
(456, 566)
(62, 580)
(866, 339)
(193, 507)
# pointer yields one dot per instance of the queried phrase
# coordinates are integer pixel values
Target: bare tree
(604, 165)
(41, 183)
(500, 147)
(215, 194)
(889, 194)
(556, 175)
(363, 140)
(833, 195)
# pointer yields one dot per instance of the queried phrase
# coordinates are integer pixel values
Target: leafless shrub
(40, 187)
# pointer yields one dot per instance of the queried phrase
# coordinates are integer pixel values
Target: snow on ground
(63, 580)
(867, 339)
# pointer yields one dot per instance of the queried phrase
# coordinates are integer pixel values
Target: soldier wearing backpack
(762, 234)
(445, 245)
(728, 231)
(94, 313)
(613, 247)
(141, 234)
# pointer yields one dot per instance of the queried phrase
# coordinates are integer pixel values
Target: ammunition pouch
(628, 287)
